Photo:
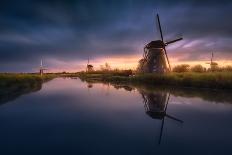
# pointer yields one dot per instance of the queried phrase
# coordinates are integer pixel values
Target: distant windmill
(89, 67)
(156, 104)
(155, 58)
(213, 64)
(41, 68)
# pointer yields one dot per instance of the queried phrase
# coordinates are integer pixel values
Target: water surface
(68, 116)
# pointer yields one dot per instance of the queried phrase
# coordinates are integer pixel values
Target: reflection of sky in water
(67, 116)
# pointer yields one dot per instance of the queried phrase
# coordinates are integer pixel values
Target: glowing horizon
(124, 62)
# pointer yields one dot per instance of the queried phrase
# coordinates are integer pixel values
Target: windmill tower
(155, 58)
(213, 64)
(89, 67)
(156, 104)
(41, 68)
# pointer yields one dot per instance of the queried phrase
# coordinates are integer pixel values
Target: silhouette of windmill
(156, 107)
(155, 58)
(41, 68)
(89, 67)
(212, 63)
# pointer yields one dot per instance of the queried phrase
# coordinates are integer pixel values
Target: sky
(66, 33)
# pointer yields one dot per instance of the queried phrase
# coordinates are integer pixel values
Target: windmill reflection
(89, 85)
(156, 104)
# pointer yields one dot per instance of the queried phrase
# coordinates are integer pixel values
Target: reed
(213, 80)
(18, 84)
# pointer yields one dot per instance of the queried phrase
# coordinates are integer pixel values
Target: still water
(68, 116)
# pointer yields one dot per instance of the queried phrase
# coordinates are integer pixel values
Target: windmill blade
(212, 58)
(161, 35)
(161, 131)
(166, 106)
(170, 42)
(173, 118)
(160, 29)
(167, 58)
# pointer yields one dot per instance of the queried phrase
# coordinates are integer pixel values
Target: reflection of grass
(219, 95)
(13, 85)
(214, 80)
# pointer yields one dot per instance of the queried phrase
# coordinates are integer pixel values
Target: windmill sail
(155, 58)
(162, 38)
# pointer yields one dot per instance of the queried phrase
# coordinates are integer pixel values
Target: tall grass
(17, 84)
(26, 79)
(214, 80)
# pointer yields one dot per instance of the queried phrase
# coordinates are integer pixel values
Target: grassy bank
(14, 85)
(212, 80)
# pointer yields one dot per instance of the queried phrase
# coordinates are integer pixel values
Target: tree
(228, 68)
(105, 67)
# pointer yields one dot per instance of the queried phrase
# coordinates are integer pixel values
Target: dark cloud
(77, 29)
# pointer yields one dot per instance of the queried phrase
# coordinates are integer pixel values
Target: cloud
(77, 29)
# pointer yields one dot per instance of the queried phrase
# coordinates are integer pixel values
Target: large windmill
(156, 104)
(41, 68)
(213, 64)
(89, 67)
(155, 58)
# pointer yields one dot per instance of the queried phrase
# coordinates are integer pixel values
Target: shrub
(181, 68)
(198, 68)
(106, 67)
(227, 68)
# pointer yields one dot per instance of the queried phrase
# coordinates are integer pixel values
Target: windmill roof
(89, 65)
(155, 44)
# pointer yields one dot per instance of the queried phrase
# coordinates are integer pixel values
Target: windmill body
(41, 68)
(89, 67)
(155, 58)
(212, 63)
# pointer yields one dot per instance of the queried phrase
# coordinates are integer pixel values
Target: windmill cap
(155, 44)
(90, 65)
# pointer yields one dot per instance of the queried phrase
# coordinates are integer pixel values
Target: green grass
(13, 85)
(22, 79)
(213, 80)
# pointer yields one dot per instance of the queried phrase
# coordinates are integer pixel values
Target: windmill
(155, 58)
(41, 68)
(89, 67)
(213, 64)
(156, 107)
